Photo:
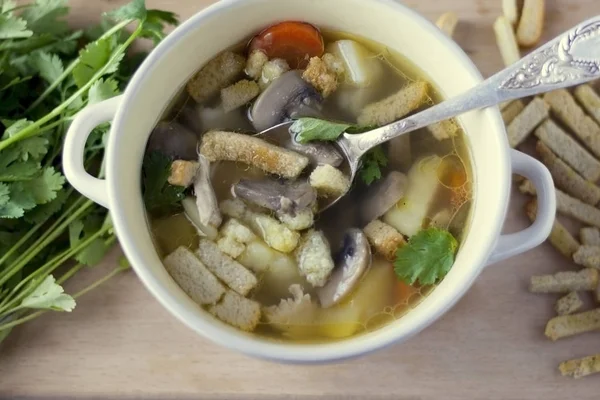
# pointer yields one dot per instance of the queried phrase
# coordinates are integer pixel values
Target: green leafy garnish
(310, 129)
(158, 193)
(372, 163)
(48, 73)
(426, 258)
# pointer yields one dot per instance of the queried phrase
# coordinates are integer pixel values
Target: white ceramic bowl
(192, 44)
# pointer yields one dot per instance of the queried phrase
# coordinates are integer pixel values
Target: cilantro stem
(21, 241)
(33, 129)
(83, 291)
(67, 275)
(72, 66)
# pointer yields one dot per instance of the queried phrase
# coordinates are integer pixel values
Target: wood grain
(120, 343)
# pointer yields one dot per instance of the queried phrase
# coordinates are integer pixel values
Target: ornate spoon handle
(568, 60)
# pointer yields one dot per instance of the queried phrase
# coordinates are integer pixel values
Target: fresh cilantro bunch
(48, 73)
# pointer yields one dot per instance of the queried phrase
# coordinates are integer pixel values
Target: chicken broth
(241, 231)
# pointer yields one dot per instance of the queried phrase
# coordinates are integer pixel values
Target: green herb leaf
(158, 193)
(49, 66)
(44, 16)
(19, 171)
(92, 58)
(45, 187)
(13, 127)
(4, 194)
(372, 163)
(155, 22)
(133, 10)
(93, 253)
(20, 201)
(13, 27)
(7, 7)
(103, 90)
(49, 295)
(44, 211)
(426, 258)
(309, 129)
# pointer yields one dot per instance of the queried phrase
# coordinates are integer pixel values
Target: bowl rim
(250, 344)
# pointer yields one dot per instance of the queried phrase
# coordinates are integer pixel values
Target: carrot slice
(403, 291)
(295, 42)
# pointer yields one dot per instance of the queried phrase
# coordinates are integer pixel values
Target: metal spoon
(570, 59)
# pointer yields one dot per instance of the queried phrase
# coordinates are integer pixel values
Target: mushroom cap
(287, 97)
(382, 196)
(352, 262)
(174, 140)
(287, 197)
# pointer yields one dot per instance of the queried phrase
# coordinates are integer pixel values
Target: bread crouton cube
(272, 70)
(524, 123)
(574, 324)
(218, 73)
(565, 281)
(238, 147)
(577, 209)
(443, 129)
(531, 23)
(510, 112)
(384, 238)
(588, 256)
(237, 311)
(580, 367)
(302, 220)
(396, 106)
(183, 172)
(590, 100)
(318, 75)
(234, 274)
(313, 256)
(234, 237)
(560, 237)
(329, 181)
(193, 277)
(568, 304)
(256, 60)
(590, 236)
(239, 94)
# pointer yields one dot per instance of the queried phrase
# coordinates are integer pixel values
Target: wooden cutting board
(119, 343)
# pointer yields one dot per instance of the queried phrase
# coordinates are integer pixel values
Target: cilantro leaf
(157, 192)
(4, 194)
(102, 90)
(45, 187)
(13, 27)
(155, 22)
(8, 6)
(79, 231)
(20, 201)
(49, 295)
(309, 129)
(43, 16)
(93, 253)
(34, 147)
(92, 58)
(49, 66)
(136, 9)
(19, 171)
(13, 127)
(372, 163)
(426, 258)
(43, 211)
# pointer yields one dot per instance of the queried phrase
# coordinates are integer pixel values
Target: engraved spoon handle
(570, 59)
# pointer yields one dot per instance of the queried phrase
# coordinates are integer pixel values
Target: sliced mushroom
(281, 196)
(174, 140)
(382, 196)
(318, 152)
(352, 262)
(288, 97)
(206, 200)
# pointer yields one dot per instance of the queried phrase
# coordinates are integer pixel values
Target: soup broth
(292, 300)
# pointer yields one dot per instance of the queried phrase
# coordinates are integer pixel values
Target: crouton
(524, 123)
(531, 23)
(334, 64)
(569, 150)
(580, 367)
(329, 181)
(318, 75)
(565, 281)
(590, 236)
(527, 187)
(303, 219)
(294, 316)
(566, 178)
(183, 172)
(237, 311)
(567, 110)
(506, 41)
(272, 70)
(218, 73)
(444, 129)
(560, 237)
(273, 232)
(384, 238)
(234, 274)
(234, 237)
(254, 65)
(574, 324)
(577, 209)
(511, 111)
(231, 146)
(193, 277)
(447, 22)
(589, 99)
(396, 106)
(510, 10)
(568, 304)
(313, 256)
(588, 256)
(230, 247)
(239, 94)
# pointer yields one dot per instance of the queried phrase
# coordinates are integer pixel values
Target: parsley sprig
(48, 73)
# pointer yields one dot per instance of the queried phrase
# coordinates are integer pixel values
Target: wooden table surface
(119, 343)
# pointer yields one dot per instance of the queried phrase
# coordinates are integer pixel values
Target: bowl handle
(519, 242)
(81, 127)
